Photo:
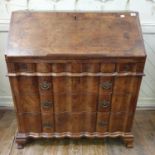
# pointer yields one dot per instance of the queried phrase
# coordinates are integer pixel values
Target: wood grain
(110, 34)
(62, 74)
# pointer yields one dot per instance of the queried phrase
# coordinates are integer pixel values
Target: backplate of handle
(47, 125)
(46, 104)
(104, 103)
(45, 85)
(106, 85)
(102, 123)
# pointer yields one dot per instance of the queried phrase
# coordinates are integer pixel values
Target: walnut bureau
(75, 74)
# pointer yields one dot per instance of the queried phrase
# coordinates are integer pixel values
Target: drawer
(126, 67)
(29, 103)
(26, 95)
(46, 94)
(75, 122)
(102, 123)
(21, 67)
(122, 102)
(30, 122)
(120, 121)
(45, 85)
(107, 67)
(140, 67)
(125, 85)
(106, 84)
(48, 122)
(71, 66)
(27, 85)
(43, 67)
(75, 102)
(104, 102)
(47, 105)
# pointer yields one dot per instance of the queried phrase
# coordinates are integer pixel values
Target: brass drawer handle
(106, 85)
(46, 104)
(103, 123)
(47, 125)
(45, 85)
(104, 103)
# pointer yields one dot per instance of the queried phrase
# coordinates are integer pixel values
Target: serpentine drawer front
(75, 74)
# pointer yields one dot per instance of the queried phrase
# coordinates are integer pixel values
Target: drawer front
(75, 94)
(130, 67)
(48, 125)
(126, 67)
(71, 66)
(29, 123)
(121, 103)
(77, 67)
(125, 94)
(21, 67)
(104, 102)
(75, 102)
(46, 94)
(75, 122)
(107, 68)
(120, 122)
(126, 84)
(102, 123)
(25, 94)
(106, 84)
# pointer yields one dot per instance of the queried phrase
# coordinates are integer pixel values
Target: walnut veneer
(75, 74)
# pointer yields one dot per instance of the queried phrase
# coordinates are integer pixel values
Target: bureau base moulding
(22, 139)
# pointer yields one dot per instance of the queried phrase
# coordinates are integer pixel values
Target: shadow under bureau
(75, 74)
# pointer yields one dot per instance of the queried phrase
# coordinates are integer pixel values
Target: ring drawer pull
(106, 85)
(47, 125)
(45, 85)
(102, 123)
(46, 104)
(104, 104)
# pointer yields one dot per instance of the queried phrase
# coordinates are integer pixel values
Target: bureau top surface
(113, 34)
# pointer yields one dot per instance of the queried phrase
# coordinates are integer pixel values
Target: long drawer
(36, 94)
(83, 122)
(105, 66)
